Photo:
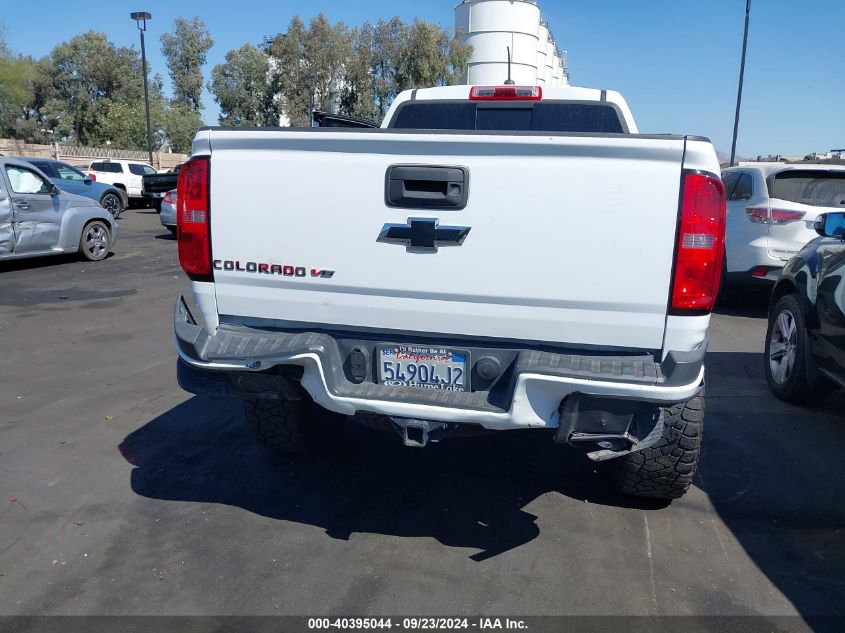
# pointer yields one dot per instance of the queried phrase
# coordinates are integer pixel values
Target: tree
(326, 51)
(185, 50)
(431, 56)
(180, 126)
(15, 90)
(356, 92)
(387, 47)
(88, 75)
(242, 88)
(123, 122)
(287, 55)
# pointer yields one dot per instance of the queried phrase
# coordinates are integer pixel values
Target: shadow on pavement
(32, 263)
(751, 302)
(463, 492)
(772, 472)
(774, 475)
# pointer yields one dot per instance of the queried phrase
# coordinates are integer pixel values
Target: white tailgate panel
(571, 238)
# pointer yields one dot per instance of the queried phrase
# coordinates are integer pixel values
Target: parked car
(156, 185)
(124, 174)
(37, 218)
(72, 180)
(772, 208)
(504, 257)
(168, 211)
(805, 341)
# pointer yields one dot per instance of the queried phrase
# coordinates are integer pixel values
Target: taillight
(506, 93)
(168, 198)
(92, 177)
(779, 216)
(757, 215)
(192, 219)
(760, 215)
(701, 244)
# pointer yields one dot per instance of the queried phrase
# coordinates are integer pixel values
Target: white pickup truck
(505, 257)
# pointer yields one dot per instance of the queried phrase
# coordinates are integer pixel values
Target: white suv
(772, 208)
(123, 174)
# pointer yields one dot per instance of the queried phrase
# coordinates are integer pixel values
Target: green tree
(356, 92)
(290, 78)
(88, 75)
(180, 126)
(242, 88)
(326, 51)
(15, 87)
(124, 123)
(430, 56)
(186, 49)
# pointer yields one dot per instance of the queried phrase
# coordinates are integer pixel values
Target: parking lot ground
(121, 494)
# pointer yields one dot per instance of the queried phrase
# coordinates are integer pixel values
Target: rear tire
(787, 356)
(665, 470)
(95, 242)
(292, 427)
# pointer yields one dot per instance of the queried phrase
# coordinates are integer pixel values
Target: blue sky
(676, 61)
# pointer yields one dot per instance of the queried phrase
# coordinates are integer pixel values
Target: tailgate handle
(426, 187)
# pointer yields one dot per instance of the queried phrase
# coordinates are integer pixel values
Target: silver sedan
(37, 218)
(168, 211)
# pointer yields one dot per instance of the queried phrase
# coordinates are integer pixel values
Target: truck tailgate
(571, 238)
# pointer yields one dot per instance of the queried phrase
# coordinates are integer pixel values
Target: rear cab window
(140, 170)
(109, 168)
(545, 116)
(812, 187)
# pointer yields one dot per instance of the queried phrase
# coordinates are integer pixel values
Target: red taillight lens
(192, 219)
(506, 93)
(92, 177)
(701, 244)
(168, 198)
(760, 215)
(779, 216)
(757, 215)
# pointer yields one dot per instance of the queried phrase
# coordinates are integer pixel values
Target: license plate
(424, 367)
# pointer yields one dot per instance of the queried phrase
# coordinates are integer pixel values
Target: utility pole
(141, 18)
(741, 80)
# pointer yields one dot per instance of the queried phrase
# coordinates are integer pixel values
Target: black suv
(805, 341)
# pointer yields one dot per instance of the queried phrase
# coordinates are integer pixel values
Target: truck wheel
(95, 241)
(293, 427)
(665, 470)
(788, 355)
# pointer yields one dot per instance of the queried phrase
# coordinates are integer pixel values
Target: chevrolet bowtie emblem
(423, 234)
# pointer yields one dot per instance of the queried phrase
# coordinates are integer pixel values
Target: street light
(741, 80)
(141, 18)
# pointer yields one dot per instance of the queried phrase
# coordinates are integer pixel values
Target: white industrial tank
(550, 56)
(564, 69)
(556, 70)
(490, 27)
(542, 38)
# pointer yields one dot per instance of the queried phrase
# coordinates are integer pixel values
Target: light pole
(141, 18)
(741, 79)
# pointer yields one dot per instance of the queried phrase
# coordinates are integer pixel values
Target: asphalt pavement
(121, 494)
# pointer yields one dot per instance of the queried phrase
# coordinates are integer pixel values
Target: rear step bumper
(243, 362)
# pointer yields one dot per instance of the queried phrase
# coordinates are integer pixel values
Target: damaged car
(37, 218)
